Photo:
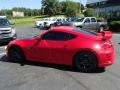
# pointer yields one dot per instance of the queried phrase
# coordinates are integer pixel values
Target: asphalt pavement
(35, 76)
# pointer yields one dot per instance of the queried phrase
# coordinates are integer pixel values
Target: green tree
(80, 7)
(89, 12)
(6, 12)
(28, 11)
(71, 8)
(51, 7)
(71, 11)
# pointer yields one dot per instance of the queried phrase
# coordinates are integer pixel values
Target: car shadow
(55, 66)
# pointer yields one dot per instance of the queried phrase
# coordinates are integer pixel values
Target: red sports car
(66, 45)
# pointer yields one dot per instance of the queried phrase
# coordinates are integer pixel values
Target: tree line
(27, 11)
(68, 8)
(50, 8)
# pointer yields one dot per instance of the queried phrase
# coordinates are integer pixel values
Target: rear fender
(86, 50)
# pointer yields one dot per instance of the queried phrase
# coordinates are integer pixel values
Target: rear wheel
(15, 54)
(85, 61)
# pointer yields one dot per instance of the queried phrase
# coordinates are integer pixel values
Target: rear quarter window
(93, 20)
(86, 32)
(71, 36)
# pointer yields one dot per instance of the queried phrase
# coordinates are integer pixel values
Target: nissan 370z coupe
(66, 45)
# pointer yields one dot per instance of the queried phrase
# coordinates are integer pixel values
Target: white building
(18, 14)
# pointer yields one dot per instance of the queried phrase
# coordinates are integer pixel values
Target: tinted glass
(87, 20)
(71, 36)
(53, 35)
(80, 19)
(93, 20)
(4, 22)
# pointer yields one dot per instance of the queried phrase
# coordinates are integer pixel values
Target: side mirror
(85, 21)
(12, 23)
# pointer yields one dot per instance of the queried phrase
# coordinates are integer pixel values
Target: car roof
(72, 29)
(2, 18)
(63, 28)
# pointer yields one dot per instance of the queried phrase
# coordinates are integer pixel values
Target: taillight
(107, 45)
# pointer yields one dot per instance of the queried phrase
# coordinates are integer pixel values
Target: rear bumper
(106, 59)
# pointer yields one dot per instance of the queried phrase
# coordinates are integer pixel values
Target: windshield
(4, 22)
(80, 19)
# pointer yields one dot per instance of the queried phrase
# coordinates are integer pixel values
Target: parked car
(89, 23)
(7, 31)
(2, 16)
(46, 22)
(61, 23)
(66, 45)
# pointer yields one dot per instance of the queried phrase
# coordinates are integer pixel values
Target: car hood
(5, 27)
(76, 23)
(23, 42)
(39, 21)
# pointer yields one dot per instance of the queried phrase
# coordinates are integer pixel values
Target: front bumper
(7, 38)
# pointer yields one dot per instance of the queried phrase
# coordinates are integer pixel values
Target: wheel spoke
(85, 61)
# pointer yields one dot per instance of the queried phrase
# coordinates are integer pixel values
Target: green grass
(28, 21)
(24, 22)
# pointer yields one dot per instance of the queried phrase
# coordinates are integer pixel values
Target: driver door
(86, 25)
(39, 51)
(55, 42)
(50, 48)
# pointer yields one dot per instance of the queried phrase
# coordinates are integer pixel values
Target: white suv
(46, 22)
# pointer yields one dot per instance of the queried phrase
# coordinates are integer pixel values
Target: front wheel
(85, 61)
(15, 54)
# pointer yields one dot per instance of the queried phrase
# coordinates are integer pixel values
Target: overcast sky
(34, 4)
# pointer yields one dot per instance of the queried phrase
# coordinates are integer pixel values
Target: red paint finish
(63, 51)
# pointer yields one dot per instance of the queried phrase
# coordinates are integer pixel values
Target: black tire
(16, 54)
(85, 62)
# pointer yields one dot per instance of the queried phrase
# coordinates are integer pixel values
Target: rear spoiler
(105, 35)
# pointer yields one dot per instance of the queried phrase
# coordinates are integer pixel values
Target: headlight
(13, 30)
(0, 32)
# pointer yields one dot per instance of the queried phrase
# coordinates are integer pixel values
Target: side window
(71, 36)
(55, 35)
(87, 20)
(93, 20)
(48, 36)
